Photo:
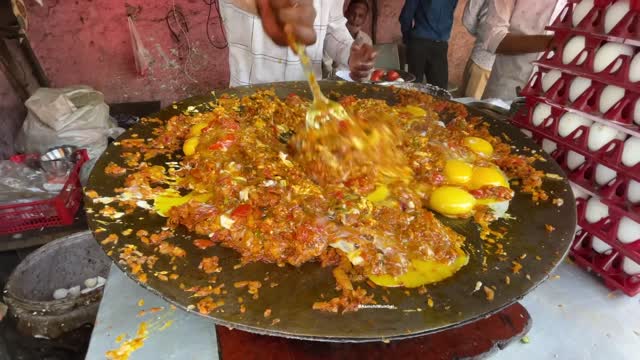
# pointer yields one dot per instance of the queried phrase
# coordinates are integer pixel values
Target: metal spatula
(322, 109)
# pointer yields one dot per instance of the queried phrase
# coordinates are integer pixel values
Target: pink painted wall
(88, 42)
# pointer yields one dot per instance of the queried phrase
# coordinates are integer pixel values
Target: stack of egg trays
(615, 194)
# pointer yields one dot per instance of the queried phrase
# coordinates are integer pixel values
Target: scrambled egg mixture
(252, 180)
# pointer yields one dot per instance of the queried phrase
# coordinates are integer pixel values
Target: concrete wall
(88, 42)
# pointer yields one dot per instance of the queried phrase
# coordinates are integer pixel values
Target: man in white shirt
(478, 69)
(258, 51)
(357, 13)
(515, 32)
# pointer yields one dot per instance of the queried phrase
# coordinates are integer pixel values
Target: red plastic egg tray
(607, 266)
(615, 194)
(627, 30)
(609, 155)
(583, 63)
(607, 230)
(619, 116)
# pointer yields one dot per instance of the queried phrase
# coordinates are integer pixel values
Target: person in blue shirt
(426, 28)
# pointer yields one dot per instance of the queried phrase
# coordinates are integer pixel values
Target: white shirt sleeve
(471, 16)
(337, 43)
(498, 22)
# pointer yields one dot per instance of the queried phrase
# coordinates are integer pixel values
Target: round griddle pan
(455, 301)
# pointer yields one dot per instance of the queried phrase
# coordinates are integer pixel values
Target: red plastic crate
(59, 210)
(626, 31)
(607, 266)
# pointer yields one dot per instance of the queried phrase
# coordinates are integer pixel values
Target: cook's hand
(361, 60)
(281, 16)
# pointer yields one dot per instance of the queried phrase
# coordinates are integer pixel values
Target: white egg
(614, 14)
(630, 267)
(633, 192)
(609, 53)
(595, 210)
(578, 192)
(634, 69)
(527, 133)
(600, 135)
(540, 113)
(573, 48)
(631, 152)
(610, 96)
(74, 291)
(580, 11)
(628, 231)
(604, 175)
(569, 122)
(600, 246)
(636, 113)
(578, 86)
(549, 146)
(550, 79)
(574, 160)
(91, 282)
(60, 294)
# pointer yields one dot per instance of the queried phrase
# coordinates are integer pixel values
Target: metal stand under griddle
(472, 341)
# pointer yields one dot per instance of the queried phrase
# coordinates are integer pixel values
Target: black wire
(180, 20)
(211, 4)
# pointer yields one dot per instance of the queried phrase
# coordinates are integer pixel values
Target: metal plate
(455, 301)
(407, 77)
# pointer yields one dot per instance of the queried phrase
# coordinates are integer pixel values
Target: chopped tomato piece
(241, 211)
(224, 143)
(230, 124)
(203, 243)
(438, 107)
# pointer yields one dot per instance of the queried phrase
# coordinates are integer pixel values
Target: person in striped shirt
(258, 51)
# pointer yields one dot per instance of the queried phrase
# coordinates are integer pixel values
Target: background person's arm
(337, 43)
(498, 40)
(406, 18)
(514, 44)
(471, 15)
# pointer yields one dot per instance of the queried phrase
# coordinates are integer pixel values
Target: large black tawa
(407, 314)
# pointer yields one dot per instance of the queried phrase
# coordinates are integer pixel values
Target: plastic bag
(140, 53)
(20, 183)
(69, 116)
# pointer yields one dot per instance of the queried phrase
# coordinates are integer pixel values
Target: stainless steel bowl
(58, 161)
(59, 153)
